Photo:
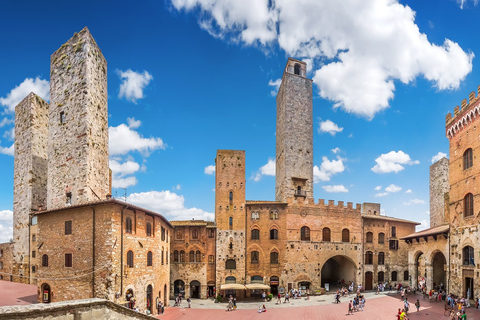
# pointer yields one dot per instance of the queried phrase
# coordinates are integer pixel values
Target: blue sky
(188, 77)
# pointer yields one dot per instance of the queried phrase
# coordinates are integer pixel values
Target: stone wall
(439, 186)
(86, 309)
(78, 124)
(294, 145)
(30, 172)
(6, 262)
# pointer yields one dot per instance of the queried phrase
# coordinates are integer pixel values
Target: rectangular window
(394, 232)
(211, 233)
(68, 227)
(163, 234)
(62, 117)
(393, 244)
(34, 237)
(33, 269)
(68, 260)
(68, 201)
(33, 254)
(211, 259)
(162, 257)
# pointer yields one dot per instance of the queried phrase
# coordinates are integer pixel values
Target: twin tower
(61, 147)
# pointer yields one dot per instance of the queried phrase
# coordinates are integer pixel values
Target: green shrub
(219, 298)
(270, 297)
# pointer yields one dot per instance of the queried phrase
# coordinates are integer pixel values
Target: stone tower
(78, 124)
(30, 170)
(439, 187)
(230, 216)
(294, 163)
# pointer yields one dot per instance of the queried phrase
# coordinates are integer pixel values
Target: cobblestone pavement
(12, 293)
(377, 307)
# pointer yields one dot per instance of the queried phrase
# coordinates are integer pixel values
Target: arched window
(230, 279)
(150, 258)
(369, 257)
(230, 264)
(394, 276)
(255, 215)
(198, 256)
(326, 235)
(254, 255)
(405, 276)
(381, 258)
(182, 256)
(162, 258)
(44, 260)
(468, 205)
(273, 234)
(194, 234)
(273, 214)
(175, 256)
(381, 238)
(130, 259)
(345, 235)
(381, 276)
(191, 257)
(255, 234)
(296, 68)
(273, 257)
(149, 229)
(369, 237)
(467, 159)
(230, 222)
(128, 225)
(468, 256)
(305, 234)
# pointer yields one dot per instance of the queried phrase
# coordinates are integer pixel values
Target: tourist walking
(350, 308)
(417, 305)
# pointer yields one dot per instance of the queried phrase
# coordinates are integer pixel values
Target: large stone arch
(438, 261)
(337, 268)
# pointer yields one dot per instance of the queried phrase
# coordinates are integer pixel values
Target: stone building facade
(439, 191)
(192, 256)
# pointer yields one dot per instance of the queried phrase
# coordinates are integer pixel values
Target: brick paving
(382, 307)
(12, 293)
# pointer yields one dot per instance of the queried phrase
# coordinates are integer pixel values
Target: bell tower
(294, 147)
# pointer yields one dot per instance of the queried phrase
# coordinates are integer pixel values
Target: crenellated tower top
(462, 117)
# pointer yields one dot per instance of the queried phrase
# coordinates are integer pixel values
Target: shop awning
(232, 286)
(253, 286)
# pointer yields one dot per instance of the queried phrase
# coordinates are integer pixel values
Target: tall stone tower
(78, 124)
(294, 163)
(30, 171)
(439, 187)
(230, 216)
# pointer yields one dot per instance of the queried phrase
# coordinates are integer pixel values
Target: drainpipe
(93, 251)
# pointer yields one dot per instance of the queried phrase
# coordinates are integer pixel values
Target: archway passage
(337, 271)
(179, 287)
(420, 271)
(439, 270)
(195, 289)
(46, 296)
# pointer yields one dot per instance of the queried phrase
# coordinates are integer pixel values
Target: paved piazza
(377, 307)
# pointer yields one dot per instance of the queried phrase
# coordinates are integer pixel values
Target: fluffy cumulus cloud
(359, 48)
(276, 85)
(6, 225)
(393, 188)
(438, 156)
(388, 190)
(335, 189)
(329, 127)
(327, 169)
(38, 86)
(8, 150)
(414, 201)
(169, 204)
(123, 139)
(392, 162)
(210, 169)
(133, 84)
(265, 170)
(424, 224)
(377, 188)
(122, 173)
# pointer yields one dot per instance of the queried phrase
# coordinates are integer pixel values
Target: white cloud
(392, 162)
(424, 224)
(327, 169)
(378, 188)
(133, 124)
(276, 85)
(329, 127)
(120, 171)
(5, 121)
(123, 182)
(336, 150)
(38, 86)
(10, 134)
(438, 156)
(462, 3)
(177, 187)
(361, 48)
(210, 169)
(169, 204)
(266, 170)
(123, 139)
(133, 84)
(414, 201)
(6, 225)
(381, 194)
(8, 150)
(409, 191)
(393, 188)
(335, 188)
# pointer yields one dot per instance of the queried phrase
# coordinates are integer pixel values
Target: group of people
(455, 307)
(232, 304)
(357, 304)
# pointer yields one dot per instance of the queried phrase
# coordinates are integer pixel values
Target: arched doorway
(149, 302)
(179, 287)
(165, 295)
(368, 280)
(439, 274)
(195, 289)
(211, 286)
(274, 281)
(46, 296)
(420, 270)
(336, 271)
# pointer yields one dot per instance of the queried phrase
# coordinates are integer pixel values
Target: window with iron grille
(68, 260)
(68, 227)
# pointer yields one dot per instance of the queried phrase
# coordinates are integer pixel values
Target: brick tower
(294, 166)
(30, 172)
(78, 124)
(230, 217)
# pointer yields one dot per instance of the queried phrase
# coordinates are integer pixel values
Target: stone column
(429, 268)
